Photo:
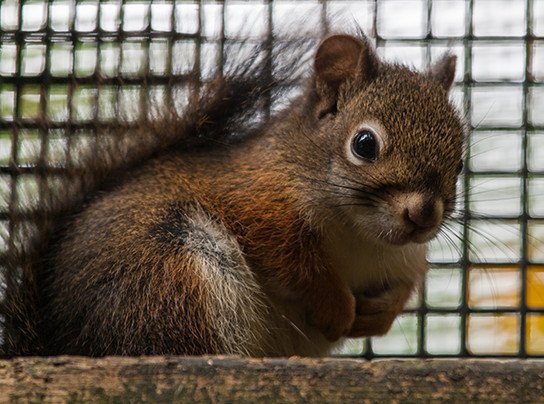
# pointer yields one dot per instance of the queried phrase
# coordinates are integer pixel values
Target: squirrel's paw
(375, 315)
(334, 317)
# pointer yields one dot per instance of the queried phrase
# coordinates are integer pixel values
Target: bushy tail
(219, 112)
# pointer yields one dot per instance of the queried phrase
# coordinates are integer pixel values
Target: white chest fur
(362, 263)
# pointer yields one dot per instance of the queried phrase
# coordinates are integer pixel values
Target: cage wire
(67, 67)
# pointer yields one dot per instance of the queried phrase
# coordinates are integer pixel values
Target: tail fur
(220, 112)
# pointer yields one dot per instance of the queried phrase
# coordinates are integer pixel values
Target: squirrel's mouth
(401, 236)
(396, 238)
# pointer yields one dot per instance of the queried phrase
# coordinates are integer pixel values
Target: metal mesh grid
(67, 67)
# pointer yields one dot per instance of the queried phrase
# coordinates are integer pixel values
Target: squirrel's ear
(338, 59)
(443, 70)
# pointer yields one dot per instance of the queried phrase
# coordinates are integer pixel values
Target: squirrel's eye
(365, 145)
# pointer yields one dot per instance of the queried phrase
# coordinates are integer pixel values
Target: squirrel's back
(165, 268)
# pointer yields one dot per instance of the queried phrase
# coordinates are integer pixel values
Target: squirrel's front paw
(334, 316)
(375, 315)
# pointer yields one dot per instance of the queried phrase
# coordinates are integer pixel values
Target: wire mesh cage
(68, 67)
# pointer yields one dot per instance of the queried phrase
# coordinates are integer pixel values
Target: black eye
(365, 145)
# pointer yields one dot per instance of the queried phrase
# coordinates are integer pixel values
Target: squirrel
(272, 239)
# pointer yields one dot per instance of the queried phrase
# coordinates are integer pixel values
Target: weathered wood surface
(228, 379)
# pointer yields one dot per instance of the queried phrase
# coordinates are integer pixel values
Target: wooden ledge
(220, 379)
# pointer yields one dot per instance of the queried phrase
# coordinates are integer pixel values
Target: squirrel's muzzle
(422, 212)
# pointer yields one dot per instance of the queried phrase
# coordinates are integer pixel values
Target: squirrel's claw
(375, 315)
(335, 317)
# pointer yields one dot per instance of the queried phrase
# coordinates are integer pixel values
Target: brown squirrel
(309, 228)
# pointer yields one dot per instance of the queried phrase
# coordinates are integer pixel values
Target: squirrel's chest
(362, 264)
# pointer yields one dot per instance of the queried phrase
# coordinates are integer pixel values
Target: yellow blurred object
(493, 334)
(496, 288)
(492, 287)
(535, 300)
(535, 334)
(535, 286)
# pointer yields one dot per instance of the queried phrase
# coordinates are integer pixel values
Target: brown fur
(126, 275)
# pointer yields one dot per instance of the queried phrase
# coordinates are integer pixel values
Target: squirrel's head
(389, 138)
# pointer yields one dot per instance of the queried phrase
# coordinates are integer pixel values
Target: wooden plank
(220, 379)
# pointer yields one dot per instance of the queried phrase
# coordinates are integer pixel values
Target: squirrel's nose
(423, 212)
